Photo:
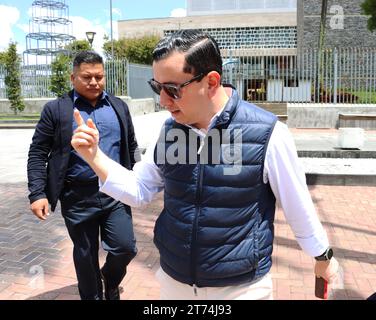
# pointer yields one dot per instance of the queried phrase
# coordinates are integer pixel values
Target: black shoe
(110, 293)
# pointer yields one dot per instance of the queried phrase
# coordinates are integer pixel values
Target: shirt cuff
(314, 245)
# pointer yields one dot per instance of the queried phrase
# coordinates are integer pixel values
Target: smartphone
(321, 288)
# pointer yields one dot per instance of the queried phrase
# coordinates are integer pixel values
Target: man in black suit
(57, 172)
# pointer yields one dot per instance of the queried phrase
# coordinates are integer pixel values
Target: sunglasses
(172, 90)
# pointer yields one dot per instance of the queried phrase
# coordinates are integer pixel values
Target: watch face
(329, 253)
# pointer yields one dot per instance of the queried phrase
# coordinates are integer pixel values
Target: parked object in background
(350, 138)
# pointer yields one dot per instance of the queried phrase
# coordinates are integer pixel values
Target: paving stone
(348, 213)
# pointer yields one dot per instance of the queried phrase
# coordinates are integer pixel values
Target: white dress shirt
(282, 170)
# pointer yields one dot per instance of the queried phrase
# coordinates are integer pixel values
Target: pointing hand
(85, 138)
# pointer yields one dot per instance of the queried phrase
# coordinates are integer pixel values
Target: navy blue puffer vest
(216, 228)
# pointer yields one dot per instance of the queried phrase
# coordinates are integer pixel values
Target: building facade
(235, 24)
(270, 46)
(252, 36)
(346, 26)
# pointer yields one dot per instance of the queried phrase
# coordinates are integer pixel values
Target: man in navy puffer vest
(222, 164)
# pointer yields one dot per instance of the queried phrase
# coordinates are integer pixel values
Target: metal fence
(116, 77)
(2, 82)
(122, 78)
(345, 75)
(138, 76)
(35, 81)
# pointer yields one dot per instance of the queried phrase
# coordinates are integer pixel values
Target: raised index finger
(78, 118)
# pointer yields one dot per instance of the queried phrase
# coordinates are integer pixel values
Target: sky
(86, 15)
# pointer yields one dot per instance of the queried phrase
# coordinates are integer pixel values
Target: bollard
(350, 138)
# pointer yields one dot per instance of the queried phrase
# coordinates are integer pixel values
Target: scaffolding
(50, 30)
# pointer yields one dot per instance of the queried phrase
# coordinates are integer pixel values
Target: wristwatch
(327, 255)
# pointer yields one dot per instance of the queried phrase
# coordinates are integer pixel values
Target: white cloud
(9, 17)
(78, 28)
(81, 25)
(117, 12)
(179, 12)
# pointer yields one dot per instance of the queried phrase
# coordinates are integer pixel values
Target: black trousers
(89, 213)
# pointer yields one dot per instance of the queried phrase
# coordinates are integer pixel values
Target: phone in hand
(321, 288)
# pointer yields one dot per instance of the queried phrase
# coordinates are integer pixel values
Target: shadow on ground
(68, 292)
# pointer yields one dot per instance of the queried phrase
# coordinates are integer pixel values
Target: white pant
(175, 290)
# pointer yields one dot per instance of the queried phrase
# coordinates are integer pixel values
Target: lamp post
(90, 37)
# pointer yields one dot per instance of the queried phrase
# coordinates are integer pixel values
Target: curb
(337, 154)
(362, 180)
(311, 178)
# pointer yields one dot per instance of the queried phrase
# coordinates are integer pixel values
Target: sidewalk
(36, 257)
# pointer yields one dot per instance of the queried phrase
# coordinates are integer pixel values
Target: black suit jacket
(51, 146)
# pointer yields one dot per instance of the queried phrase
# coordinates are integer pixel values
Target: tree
(324, 10)
(136, 50)
(369, 9)
(78, 45)
(321, 45)
(3, 57)
(60, 68)
(119, 49)
(12, 79)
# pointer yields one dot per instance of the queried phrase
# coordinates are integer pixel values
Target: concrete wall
(32, 105)
(35, 106)
(140, 27)
(349, 30)
(323, 115)
(139, 107)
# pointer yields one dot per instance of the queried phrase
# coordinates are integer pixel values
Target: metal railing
(116, 77)
(346, 75)
(122, 78)
(138, 87)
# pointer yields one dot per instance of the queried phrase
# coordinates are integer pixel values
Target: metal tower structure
(49, 30)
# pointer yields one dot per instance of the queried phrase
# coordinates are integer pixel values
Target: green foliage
(3, 57)
(12, 79)
(136, 50)
(78, 45)
(60, 68)
(369, 9)
(119, 49)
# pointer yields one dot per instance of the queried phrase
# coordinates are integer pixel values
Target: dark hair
(202, 53)
(87, 57)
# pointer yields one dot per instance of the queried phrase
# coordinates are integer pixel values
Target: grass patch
(365, 97)
(19, 117)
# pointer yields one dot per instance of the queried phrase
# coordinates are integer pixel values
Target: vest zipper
(202, 145)
(195, 226)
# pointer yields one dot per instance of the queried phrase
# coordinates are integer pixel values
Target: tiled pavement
(36, 257)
